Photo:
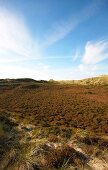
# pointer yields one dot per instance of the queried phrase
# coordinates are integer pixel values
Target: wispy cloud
(15, 40)
(76, 55)
(61, 29)
(95, 52)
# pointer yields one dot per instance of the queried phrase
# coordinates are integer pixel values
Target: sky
(53, 39)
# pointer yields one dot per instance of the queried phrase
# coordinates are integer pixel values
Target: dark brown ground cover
(71, 106)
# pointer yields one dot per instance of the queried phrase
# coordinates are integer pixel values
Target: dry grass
(63, 157)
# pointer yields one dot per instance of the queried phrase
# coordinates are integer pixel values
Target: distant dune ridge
(99, 80)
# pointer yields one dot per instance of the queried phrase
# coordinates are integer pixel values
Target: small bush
(64, 156)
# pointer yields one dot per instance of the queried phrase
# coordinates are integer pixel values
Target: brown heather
(53, 125)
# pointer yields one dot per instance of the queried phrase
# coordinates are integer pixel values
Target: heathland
(49, 125)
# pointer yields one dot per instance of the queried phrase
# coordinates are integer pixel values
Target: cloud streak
(61, 29)
(15, 40)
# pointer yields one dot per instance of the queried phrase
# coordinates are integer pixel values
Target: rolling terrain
(100, 80)
(50, 125)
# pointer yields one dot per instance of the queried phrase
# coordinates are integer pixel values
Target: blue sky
(53, 39)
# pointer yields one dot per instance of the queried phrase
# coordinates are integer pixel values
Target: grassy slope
(101, 80)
